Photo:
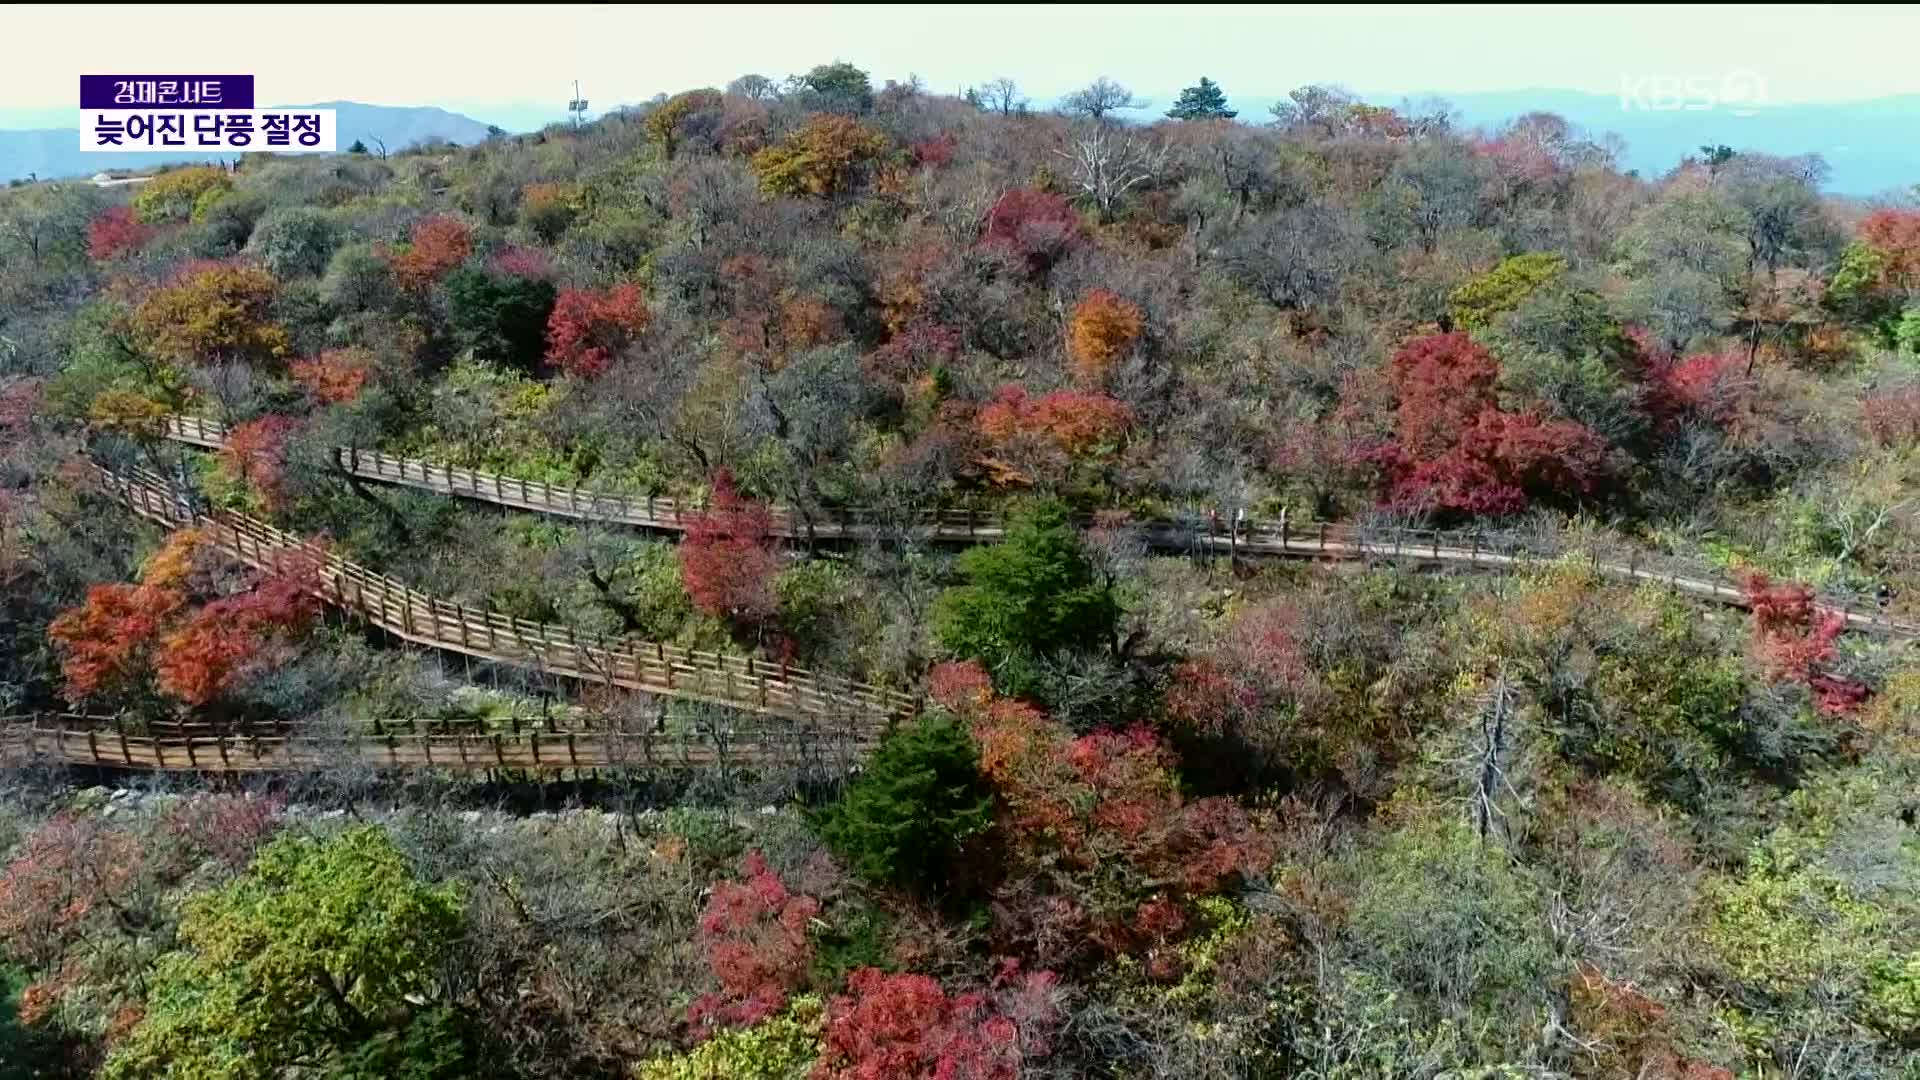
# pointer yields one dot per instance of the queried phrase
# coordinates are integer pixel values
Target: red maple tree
(1037, 227)
(588, 329)
(116, 233)
(727, 557)
(755, 933)
(1793, 638)
(1455, 449)
(906, 1027)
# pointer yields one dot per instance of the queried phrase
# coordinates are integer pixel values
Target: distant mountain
(1869, 144)
(54, 153)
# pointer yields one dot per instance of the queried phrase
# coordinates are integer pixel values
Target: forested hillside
(872, 504)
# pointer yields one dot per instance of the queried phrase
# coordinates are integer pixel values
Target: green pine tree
(906, 818)
(1203, 102)
(1036, 594)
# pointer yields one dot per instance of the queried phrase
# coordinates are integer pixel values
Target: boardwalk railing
(736, 681)
(1206, 531)
(27, 739)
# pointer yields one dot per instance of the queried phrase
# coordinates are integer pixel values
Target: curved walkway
(1208, 533)
(734, 681)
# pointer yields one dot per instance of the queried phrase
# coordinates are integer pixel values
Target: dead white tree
(1107, 163)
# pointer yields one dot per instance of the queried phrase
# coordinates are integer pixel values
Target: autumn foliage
(116, 233)
(1104, 854)
(826, 156)
(1076, 421)
(1455, 449)
(255, 454)
(212, 312)
(727, 558)
(588, 329)
(755, 935)
(906, 1027)
(1793, 638)
(439, 244)
(62, 872)
(1036, 227)
(125, 633)
(1895, 234)
(336, 376)
(1103, 330)
(233, 636)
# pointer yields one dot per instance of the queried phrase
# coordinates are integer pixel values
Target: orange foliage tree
(105, 642)
(1104, 328)
(439, 244)
(123, 633)
(234, 636)
(334, 377)
(212, 312)
(1895, 234)
(1036, 437)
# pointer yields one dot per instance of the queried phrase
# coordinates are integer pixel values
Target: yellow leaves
(823, 158)
(173, 564)
(215, 312)
(181, 194)
(128, 412)
(1104, 328)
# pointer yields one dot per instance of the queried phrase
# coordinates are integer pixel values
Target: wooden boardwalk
(832, 748)
(1209, 533)
(739, 682)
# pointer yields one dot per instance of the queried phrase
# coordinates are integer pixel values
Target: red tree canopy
(727, 558)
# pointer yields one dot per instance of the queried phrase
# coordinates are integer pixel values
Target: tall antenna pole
(577, 108)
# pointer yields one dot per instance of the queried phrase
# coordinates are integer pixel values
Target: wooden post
(1323, 537)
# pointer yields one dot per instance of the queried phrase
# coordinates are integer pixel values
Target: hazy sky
(465, 55)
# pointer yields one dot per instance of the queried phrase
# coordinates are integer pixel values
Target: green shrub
(907, 816)
(782, 1048)
(1036, 594)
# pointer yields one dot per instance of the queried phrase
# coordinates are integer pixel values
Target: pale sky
(464, 55)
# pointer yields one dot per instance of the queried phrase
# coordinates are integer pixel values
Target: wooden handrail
(1242, 536)
(30, 738)
(415, 616)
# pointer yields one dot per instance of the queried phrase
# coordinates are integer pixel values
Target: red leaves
(960, 686)
(1443, 382)
(231, 637)
(1103, 331)
(727, 558)
(1707, 385)
(1896, 234)
(440, 243)
(905, 1027)
(334, 377)
(1455, 449)
(516, 261)
(1893, 417)
(115, 234)
(111, 641)
(62, 872)
(1035, 226)
(1077, 422)
(255, 453)
(755, 935)
(1794, 640)
(1099, 838)
(588, 329)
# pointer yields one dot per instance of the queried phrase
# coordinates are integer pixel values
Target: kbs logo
(1739, 92)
